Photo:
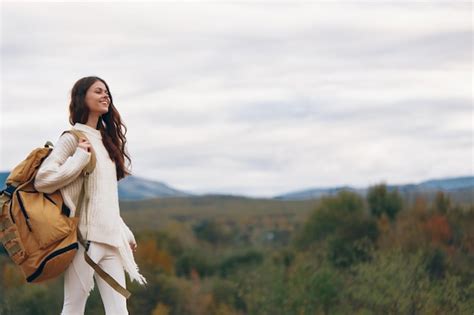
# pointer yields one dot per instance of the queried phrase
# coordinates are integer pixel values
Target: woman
(92, 111)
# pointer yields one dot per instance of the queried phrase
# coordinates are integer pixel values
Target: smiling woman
(92, 104)
(109, 241)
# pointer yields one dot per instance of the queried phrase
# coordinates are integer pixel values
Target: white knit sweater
(100, 219)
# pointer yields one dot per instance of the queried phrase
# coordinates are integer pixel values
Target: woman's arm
(62, 166)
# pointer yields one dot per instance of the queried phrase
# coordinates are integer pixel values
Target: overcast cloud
(252, 98)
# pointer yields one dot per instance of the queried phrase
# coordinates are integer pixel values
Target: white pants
(79, 280)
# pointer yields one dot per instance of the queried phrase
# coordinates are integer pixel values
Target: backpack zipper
(45, 195)
(22, 207)
(11, 214)
(49, 198)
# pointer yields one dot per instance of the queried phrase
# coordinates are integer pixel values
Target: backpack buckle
(48, 144)
(9, 190)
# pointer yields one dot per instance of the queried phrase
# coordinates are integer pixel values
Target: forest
(381, 253)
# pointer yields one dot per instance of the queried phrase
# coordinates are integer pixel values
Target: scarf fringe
(129, 263)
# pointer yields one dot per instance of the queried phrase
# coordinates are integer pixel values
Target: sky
(251, 98)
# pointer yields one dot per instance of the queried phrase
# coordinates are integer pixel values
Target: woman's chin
(101, 110)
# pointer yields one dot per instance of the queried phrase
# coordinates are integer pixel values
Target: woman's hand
(133, 246)
(84, 144)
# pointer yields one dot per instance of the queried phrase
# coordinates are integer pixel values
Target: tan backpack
(35, 227)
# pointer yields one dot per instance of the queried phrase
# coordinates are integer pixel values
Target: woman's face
(97, 98)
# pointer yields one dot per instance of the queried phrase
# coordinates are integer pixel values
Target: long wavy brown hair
(110, 124)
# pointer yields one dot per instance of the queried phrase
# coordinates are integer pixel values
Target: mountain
(314, 193)
(448, 184)
(137, 188)
(453, 185)
(134, 188)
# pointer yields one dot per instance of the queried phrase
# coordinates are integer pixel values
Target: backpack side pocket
(10, 237)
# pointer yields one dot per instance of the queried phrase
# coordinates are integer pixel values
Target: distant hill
(138, 188)
(315, 193)
(134, 188)
(457, 185)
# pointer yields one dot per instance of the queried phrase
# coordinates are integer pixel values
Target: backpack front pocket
(43, 215)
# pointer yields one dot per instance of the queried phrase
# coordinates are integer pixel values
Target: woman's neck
(92, 120)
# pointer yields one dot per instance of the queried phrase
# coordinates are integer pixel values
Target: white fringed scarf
(128, 261)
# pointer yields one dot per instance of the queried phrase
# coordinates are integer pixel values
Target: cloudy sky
(252, 98)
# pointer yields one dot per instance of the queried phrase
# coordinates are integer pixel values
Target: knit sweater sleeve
(62, 166)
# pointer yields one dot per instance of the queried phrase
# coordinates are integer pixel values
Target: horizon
(297, 190)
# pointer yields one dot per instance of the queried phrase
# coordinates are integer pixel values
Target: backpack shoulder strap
(77, 133)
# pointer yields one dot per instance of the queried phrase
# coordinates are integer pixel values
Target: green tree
(442, 202)
(395, 282)
(353, 243)
(436, 263)
(380, 201)
(210, 231)
(332, 214)
(236, 261)
(314, 287)
(324, 286)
